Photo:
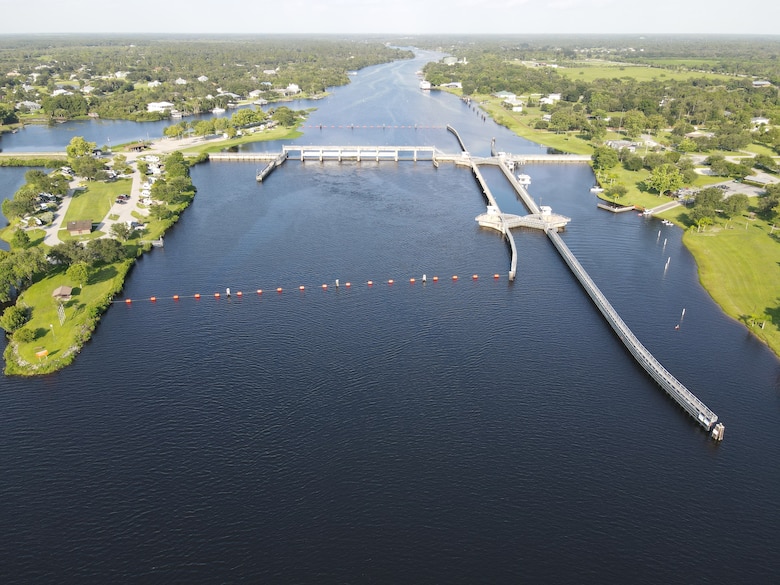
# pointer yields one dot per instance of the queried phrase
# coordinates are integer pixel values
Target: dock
(673, 387)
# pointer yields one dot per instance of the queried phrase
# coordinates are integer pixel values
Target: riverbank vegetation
(59, 78)
(664, 120)
(59, 292)
(47, 324)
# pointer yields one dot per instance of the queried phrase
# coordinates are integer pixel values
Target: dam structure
(540, 217)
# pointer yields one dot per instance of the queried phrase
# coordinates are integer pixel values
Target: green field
(590, 73)
(61, 341)
(95, 201)
(739, 266)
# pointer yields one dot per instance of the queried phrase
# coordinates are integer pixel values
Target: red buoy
(474, 277)
(128, 301)
(435, 279)
(279, 289)
(216, 295)
(496, 276)
(349, 284)
(412, 281)
(370, 283)
(153, 299)
(324, 287)
(175, 297)
(301, 287)
(259, 291)
(455, 277)
(239, 294)
(197, 295)
(390, 281)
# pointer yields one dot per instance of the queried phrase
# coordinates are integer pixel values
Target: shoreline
(86, 311)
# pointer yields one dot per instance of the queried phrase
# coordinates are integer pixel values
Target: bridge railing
(684, 397)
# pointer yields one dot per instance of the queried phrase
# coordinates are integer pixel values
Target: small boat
(218, 111)
(425, 85)
(596, 189)
(666, 222)
(524, 179)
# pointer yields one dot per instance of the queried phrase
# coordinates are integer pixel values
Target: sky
(396, 17)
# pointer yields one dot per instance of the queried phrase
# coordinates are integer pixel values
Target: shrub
(24, 335)
(14, 318)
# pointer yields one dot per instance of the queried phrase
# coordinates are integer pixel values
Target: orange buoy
(153, 299)
(301, 287)
(455, 277)
(474, 277)
(412, 281)
(435, 279)
(197, 295)
(390, 281)
(128, 301)
(216, 295)
(239, 294)
(279, 289)
(259, 291)
(349, 284)
(324, 287)
(175, 297)
(370, 283)
(496, 276)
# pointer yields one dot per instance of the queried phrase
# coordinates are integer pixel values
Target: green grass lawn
(96, 200)
(741, 270)
(279, 133)
(590, 73)
(61, 341)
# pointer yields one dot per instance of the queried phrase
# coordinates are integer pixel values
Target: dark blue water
(458, 431)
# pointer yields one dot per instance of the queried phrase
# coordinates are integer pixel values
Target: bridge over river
(539, 218)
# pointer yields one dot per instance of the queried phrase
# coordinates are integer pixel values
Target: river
(469, 431)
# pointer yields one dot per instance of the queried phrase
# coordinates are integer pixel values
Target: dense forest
(117, 77)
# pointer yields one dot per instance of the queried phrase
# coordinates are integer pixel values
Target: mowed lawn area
(590, 73)
(95, 200)
(740, 267)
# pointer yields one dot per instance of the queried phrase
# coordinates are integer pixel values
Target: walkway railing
(684, 397)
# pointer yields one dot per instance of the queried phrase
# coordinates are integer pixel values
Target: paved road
(120, 212)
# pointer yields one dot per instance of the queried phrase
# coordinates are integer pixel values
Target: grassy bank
(739, 268)
(279, 133)
(56, 343)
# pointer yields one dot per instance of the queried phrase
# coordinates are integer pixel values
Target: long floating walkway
(684, 397)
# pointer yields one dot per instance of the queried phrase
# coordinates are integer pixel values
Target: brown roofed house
(80, 227)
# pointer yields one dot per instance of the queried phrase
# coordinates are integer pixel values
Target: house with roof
(80, 227)
(550, 99)
(759, 121)
(158, 106)
(62, 293)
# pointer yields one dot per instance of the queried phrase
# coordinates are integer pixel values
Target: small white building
(758, 122)
(158, 106)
